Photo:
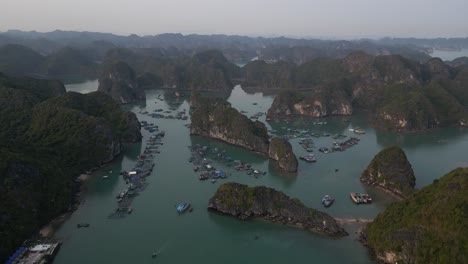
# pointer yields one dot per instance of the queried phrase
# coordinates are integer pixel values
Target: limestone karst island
(233, 132)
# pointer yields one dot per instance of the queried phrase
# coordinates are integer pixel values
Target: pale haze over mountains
(301, 18)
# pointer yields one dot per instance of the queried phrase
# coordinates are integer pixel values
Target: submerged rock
(119, 80)
(391, 171)
(281, 151)
(244, 202)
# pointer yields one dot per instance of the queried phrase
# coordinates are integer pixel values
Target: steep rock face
(119, 81)
(259, 74)
(245, 202)
(131, 132)
(460, 61)
(47, 142)
(43, 89)
(428, 227)
(405, 109)
(149, 80)
(97, 104)
(215, 118)
(205, 71)
(391, 171)
(281, 151)
(318, 104)
(436, 69)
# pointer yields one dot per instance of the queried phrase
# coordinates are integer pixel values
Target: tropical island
(215, 118)
(391, 171)
(427, 227)
(51, 138)
(244, 202)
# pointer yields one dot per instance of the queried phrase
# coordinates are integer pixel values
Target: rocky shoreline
(215, 118)
(244, 203)
(391, 172)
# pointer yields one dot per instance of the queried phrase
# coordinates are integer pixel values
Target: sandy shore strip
(48, 230)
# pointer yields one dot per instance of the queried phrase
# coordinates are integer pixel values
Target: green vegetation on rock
(49, 137)
(119, 81)
(281, 151)
(428, 227)
(391, 170)
(244, 202)
(214, 117)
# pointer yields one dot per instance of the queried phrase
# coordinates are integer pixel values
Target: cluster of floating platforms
(340, 146)
(136, 177)
(167, 114)
(203, 159)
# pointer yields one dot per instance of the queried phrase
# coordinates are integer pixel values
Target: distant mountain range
(239, 49)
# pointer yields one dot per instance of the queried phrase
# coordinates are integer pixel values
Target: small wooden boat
(359, 198)
(359, 131)
(327, 200)
(182, 207)
(82, 225)
(309, 157)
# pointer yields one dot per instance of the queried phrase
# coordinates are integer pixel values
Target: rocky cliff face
(215, 118)
(281, 151)
(317, 104)
(391, 171)
(427, 227)
(49, 140)
(245, 202)
(119, 81)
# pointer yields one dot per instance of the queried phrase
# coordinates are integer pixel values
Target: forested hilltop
(428, 227)
(399, 94)
(47, 139)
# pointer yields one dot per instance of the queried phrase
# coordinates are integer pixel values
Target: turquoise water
(205, 237)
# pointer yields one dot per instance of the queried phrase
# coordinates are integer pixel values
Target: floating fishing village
(209, 163)
(135, 178)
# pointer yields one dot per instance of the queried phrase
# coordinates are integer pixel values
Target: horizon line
(267, 36)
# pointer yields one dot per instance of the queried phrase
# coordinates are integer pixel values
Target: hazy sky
(311, 18)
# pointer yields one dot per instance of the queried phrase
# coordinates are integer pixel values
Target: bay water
(206, 237)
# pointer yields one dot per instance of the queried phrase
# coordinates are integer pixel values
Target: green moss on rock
(215, 118)
(391, 170)
(281, 151)
(428, 227)
(244, 202)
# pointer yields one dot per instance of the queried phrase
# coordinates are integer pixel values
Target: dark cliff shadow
(286, 178)
(102, 187)
(433, 138)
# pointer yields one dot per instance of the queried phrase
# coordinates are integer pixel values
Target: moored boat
(182, 207)
(309, 157)
(359, 198)
(327, 200)
(359, 131)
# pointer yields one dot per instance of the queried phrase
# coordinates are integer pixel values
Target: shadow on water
(286, 179)
(440, 136)
(102, 187)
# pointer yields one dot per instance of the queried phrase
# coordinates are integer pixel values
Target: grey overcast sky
(308, 18)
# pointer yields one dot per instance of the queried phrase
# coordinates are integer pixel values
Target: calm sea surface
(449, 55)
(205, 237)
